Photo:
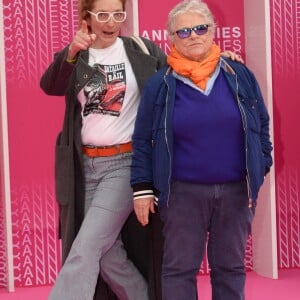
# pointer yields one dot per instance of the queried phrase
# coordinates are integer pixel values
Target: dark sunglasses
(186, 32)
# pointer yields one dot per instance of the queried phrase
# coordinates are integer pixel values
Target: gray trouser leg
(109, 198)
(123, 277)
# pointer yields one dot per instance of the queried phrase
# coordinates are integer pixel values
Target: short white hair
(190, 6)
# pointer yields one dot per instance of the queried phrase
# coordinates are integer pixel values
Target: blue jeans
(197, 215)
(98, 247)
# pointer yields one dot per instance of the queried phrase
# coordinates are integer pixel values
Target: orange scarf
(198, 72)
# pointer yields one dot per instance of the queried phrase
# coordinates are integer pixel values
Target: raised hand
(81, 41)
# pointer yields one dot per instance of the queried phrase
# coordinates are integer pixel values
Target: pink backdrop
(285, 24)
(34, 30)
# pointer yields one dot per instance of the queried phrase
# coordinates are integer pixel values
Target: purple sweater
(208, 135)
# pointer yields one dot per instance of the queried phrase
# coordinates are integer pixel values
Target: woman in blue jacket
(201, 150)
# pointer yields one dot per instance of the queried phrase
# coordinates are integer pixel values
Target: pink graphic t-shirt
(109, 100)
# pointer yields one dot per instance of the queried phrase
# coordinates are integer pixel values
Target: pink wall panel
(3, 252)
(285, 24)
(34, 30)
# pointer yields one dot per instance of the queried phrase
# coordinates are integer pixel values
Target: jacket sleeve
(141, 167)
(255, 92)
(250, 87)
(265, 128)
(56, 78)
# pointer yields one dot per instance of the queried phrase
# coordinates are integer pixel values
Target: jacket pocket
(64, 172)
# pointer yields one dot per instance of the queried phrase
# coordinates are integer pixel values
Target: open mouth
(109, 33)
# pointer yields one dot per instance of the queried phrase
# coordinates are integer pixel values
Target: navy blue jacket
(153, 134)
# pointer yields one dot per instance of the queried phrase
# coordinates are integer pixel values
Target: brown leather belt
(107, 150)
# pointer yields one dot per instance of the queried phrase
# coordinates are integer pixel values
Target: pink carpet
(287, 287)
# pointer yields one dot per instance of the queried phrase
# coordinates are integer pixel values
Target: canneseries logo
(227, 37)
